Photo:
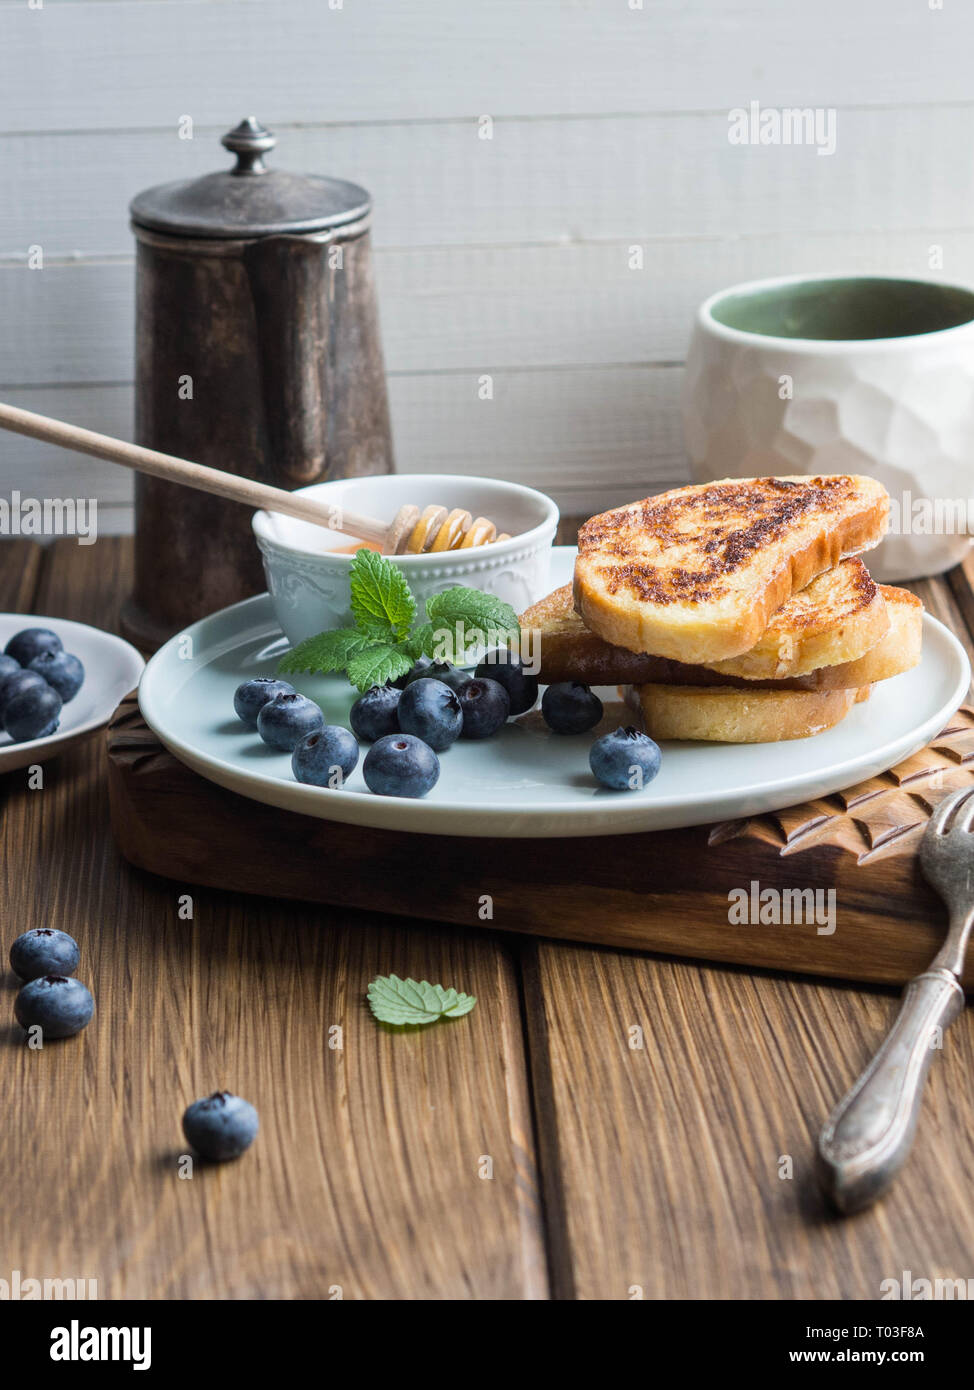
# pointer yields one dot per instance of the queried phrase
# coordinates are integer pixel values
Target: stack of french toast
(733, 611)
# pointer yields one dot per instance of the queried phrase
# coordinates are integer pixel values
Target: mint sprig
(376, 664)
(383, 644)
(329, 651)
(401, 1002)
(381, 599)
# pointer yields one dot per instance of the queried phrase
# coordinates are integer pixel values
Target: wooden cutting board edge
(666, 891)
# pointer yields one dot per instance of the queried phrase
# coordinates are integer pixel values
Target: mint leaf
(421, 642)
(381, 600)
(409, 1001)
(377, 663)
(329, 651)
(473, 608)
(467, 617)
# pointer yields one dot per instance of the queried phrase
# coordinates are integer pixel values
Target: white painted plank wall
(507, 256)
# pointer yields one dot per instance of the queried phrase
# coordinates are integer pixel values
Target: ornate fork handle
(868, 1136)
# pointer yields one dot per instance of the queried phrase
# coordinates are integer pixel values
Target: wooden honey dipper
(411, 531)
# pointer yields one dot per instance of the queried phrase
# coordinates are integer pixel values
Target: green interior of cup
(843, 310)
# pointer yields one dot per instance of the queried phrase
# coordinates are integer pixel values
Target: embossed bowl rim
(425, 488)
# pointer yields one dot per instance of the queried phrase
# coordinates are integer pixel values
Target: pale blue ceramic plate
(527, 781)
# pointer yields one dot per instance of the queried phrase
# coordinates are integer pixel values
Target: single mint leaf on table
(376, 663)
(328, 651)
(381, 599)
(415, 1001)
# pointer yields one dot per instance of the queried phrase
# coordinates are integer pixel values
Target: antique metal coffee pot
(257, 351)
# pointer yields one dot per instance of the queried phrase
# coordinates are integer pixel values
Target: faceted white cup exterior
(898, 409)
(308, 578)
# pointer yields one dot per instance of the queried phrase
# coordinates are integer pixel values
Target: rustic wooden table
(524, 1152)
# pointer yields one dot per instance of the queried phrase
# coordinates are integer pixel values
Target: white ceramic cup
(308, 576)
(844, 374)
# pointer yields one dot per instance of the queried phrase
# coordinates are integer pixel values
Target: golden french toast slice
(723, 715)
(836, 618)
(898, 651)
(695, 574)
(569, 652)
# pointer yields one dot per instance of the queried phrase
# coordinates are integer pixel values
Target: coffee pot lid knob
(249, 141)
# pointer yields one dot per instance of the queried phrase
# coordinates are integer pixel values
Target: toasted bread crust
(893, 654)
(722, 715)
(695, 574)
(836, 618)
(568, 651)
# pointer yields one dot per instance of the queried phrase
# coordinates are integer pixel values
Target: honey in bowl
(353, 549)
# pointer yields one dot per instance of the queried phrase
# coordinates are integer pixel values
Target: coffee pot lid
(249, 200)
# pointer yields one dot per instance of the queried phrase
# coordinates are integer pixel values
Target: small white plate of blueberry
(59, 682)
(448, 751)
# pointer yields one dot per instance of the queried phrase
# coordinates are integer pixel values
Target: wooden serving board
(667, 891)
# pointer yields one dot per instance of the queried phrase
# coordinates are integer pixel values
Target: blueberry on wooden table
(44, 951)
(62, 671)
(325, 757)
(400, 765)
(430, 710)
(284, 721)
(59, 1006)
(221, 1126)
(251, 697)
(506, 666)
(30, 642)
(376, 713)
(485, 706)
(32, 713)
(569, 707)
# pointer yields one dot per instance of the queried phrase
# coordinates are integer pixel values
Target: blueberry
(326, 757)
(419, 668)
(374, 714)
(60, 1006)
(13, 684)
(625, 760)
(8, 667)
(441, 671)
(284, 721)
(62, 671)
(430, 711)
(44, 951)
(250, 697)
(485, 705)
(30, 642)
(570, 708)
(33, 713)
(505, 667)
(400, 765)
(221, 1127)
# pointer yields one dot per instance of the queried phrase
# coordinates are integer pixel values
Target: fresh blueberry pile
(410, 721)
(51, 999)
(37, 678)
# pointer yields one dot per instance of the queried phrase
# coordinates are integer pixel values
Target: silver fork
(867, 1138)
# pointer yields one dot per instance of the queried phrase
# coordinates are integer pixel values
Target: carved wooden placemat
(829, 887)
